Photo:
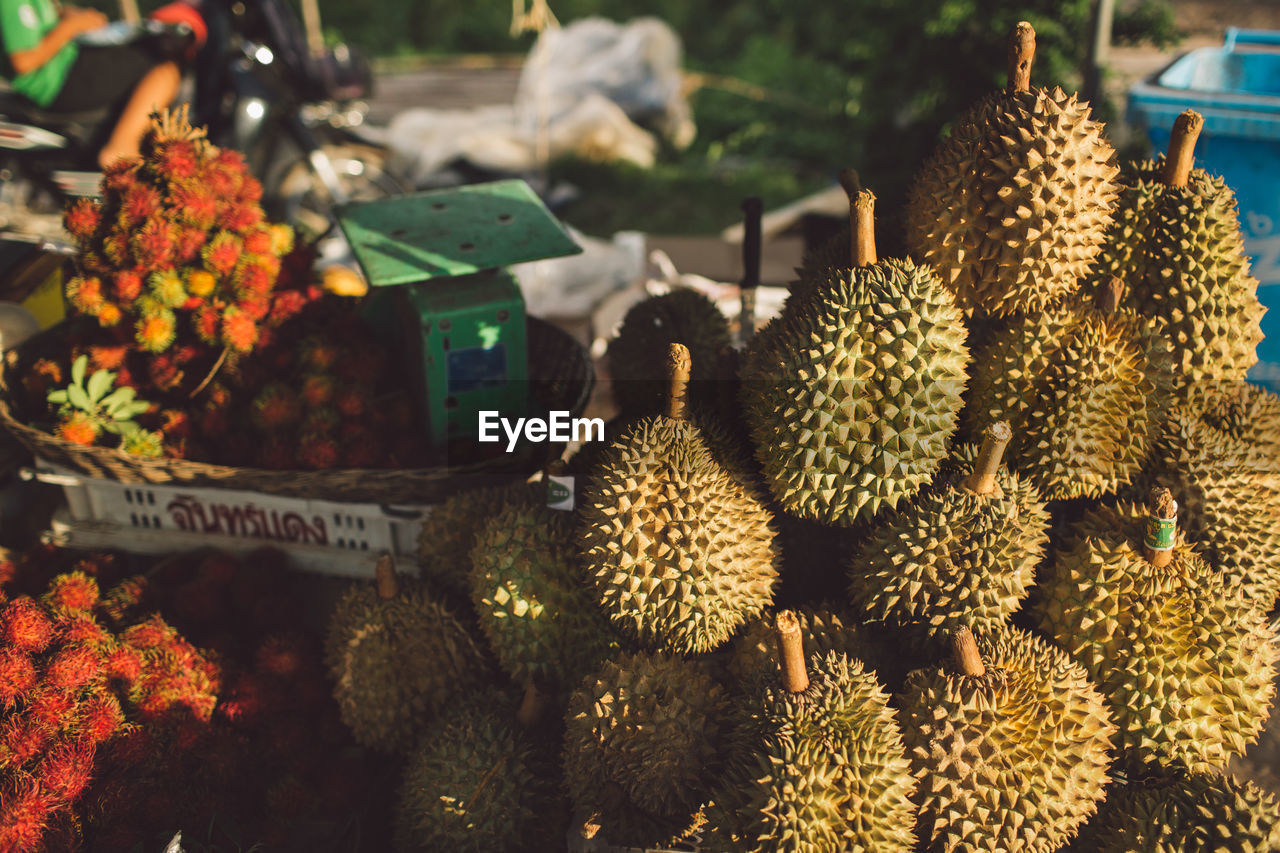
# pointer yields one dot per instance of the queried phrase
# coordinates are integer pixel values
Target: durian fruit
(478, 783)
(681, 554)
(852, 394)
(637, 355)
(1010, 742)
(448, 532)
(1012, 208)
(815, 762)
(397, 657)
(1219, 453)
(1186, 666)
(754, 652)
(1177, 244)
(533, 601)
(641, 744)
(1085, 387)
(1178, 811)
(964, 553)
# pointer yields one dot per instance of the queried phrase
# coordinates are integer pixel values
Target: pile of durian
(972, 550)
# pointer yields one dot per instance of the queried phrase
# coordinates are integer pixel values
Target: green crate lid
(458, 231)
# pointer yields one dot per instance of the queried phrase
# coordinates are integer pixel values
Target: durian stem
(862, 220)
(679, 364)
(966, 651)
(1162, 527)
(752, 210)
(1022, 52)
(1111, 295)
(385, 574)
(1182, 146)
(983, 479)
(795, 677)
(532, 705)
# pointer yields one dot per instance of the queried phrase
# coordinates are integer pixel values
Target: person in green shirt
(58, 75)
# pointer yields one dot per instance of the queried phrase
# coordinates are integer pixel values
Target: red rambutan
(73, 591)
(73, 666)
(23, 817)
(254, 279)
(81, 219)
(107, 357)
(164, 374)
(239, 331)
(128, 285)
(64, 771)
(352, 401)
(258, 241)
(81, 628)
(282, 654)
(255, 308)
(276, 407)
(286, 304)
(140, 201)
(155, 330)
(176, 159)
(317, 389)
(189, 243)
(51, 707)
(207, 320)
(24, 625)
(120, 177)
(100, 717)
(318, 451)
(109, 315)
(85, 294)
(124, 663)
(200, 282)
(195, 204)
(78, 428)
(153, 244)
(222, 253)
(175, 423)
(17, 676)
(152, 633)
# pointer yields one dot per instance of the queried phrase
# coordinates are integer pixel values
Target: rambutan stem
(1162, 527)
(1111, 295)
(795, 677)
(385, 575)
(862, 220)
(213, 371)
(1182, 146)
(965, 648)
(1022, 53)
(533, 703)
(679, 365)
(983, 479)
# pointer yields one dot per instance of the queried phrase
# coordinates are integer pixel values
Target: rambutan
(73, 591)
(49, 370)
(176, 159)
(121, 601)
(81, 628)
(244, 213)
(281, 239)
(124, 663)
(78, 428)
(120, 177)
(189, 243)
(351, 401)
(100, 717)
(64, 770)
(206, 322)
(116, 252)
(318, 451)
(239, 331)
(286, 304)
(155, 330)
(107, 356)
(151, 633)
(168, 288)
(275, 408)
(17, 676)
(81, 219)
(51, 707)
(317, 389)
(194, 204)
(254, 279)
(164, 373)
(23, 816)
(318, 353)
(258, 241)
(282, 654)
(153, 243)
(175, 423)
(321, 421)
(85, 294)
(276, 454)
(143, 442)
(222, 253)
(109, 315)
(128, 285)
(139, 202)
(24, 625)
(255, 308)
(200, 282)
(73, 666)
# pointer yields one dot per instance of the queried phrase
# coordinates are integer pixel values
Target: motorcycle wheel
(303, 201)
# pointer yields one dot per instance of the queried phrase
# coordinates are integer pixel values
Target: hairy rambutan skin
(73, 667)
(17, 676)
(74, 591)
(78, 428)
(25, 625)
(24, 814)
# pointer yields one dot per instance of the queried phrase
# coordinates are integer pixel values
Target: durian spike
(795, 676)
(385, 575)
(1182, 146)
(966, 651)
(1022, 52)
(1162, 527)
(679, 364)
(983, 479)
(532, 704)
(862, 220)
(1110, 295)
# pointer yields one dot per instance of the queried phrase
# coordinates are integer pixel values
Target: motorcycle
(253, 84)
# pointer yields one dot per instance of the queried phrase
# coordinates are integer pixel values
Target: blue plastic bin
(1236, 88)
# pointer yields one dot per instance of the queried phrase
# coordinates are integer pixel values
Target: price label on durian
(1160, 533)
(560, 493)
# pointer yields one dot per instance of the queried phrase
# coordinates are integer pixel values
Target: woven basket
(561, 379)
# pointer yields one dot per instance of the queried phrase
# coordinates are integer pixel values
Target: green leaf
(78, 369)
(118, 398)
(79, 399)
(99, 384)
(59, 396)
(130, 410)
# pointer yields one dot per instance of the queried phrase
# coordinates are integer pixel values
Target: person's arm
(73, 23)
